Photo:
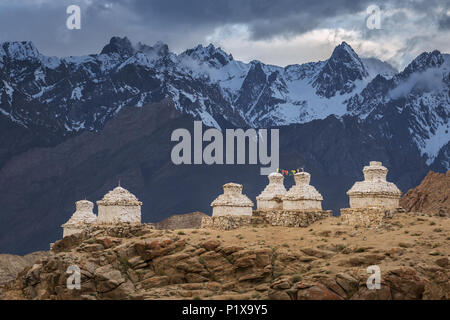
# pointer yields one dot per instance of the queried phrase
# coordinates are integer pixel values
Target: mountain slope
(56, 98)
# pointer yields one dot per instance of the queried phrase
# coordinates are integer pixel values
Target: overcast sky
(279, 32)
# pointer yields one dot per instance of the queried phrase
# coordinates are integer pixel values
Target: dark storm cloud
(185, 23)
(444, 22)
(265, 18)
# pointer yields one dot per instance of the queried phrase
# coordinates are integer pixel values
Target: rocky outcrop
(432, 195)
(327, 261)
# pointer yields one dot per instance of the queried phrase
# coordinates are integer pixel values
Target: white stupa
(374, 191)
(272, 195)
(82, 217)
(232, 202)
(118, 206)
(302, 196)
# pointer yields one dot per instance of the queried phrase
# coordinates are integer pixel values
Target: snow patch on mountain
(435, 142)
(210, 84)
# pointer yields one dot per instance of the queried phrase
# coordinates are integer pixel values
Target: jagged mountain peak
(20, 50)
(343, 49)
(122, 46)
(214, 56)
(160, 49)
(344, 54)
(339, 72)
(424, 61)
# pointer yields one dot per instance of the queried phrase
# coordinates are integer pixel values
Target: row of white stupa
(119, 205)
(374, 191)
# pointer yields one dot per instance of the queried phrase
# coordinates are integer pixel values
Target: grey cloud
(185, 23)
(444, 22)
(265, 18)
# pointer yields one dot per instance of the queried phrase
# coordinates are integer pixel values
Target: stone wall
(230, 222)
(289, 218)
(367, 217)
(284, 218)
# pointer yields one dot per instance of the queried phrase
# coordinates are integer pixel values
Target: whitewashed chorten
(82, 217)
(302, 196)
(271, 197)
(374, 191)
(232, 202)
(119, 206)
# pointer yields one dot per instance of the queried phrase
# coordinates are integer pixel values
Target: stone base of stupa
(69, 230)
(282, 218)
(371, 217)
(229, 222)
(292, 218)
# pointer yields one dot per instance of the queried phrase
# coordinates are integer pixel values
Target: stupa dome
(232, 201)
(232, 196)
(118, 206)
(82, 216)
(302, 196)
(119, 196)
(271, 196)
(374, 191)
(302, 190)
(374, 182)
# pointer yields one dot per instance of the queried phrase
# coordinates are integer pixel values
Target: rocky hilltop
(327, 260)
(432, 195)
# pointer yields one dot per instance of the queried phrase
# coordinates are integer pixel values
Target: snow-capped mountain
(61, 96)
(416, 98)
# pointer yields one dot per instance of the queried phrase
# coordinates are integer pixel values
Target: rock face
(232, 202)
(431, 196)
(11, 265)
(271, 197)
(324, 261)
(374, 191)
(119, 205)
(83, 216)
(302, 196)
(191, 220)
